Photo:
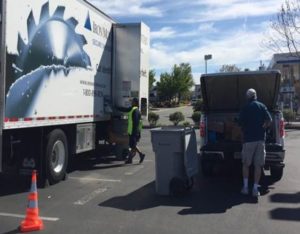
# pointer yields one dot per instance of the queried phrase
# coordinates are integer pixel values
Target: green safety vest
(130, 122)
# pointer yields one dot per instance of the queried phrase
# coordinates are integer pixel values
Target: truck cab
(221, 135)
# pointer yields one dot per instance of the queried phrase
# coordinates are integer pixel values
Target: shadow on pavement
(13, 232)
(288, 214)
(14, 184)
(285, 198)
(104, 159)
(215, 195)
(94, 163)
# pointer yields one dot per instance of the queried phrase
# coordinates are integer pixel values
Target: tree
(288, 115)
(285, 29)
(166, 89)
(229, 68)
(151, 78)
(175, 84)
(183, 79)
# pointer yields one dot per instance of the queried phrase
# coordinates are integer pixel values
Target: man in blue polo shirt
(254, 119)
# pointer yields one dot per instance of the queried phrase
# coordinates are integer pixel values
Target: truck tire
(56, 156)
(276, 173)
(207, 168)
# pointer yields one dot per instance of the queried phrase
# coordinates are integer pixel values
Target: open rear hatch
(2, 79)
(225, 92)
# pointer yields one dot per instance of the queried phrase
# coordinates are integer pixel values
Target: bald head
(251, 94)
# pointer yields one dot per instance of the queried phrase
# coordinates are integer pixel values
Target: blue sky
(232, 31)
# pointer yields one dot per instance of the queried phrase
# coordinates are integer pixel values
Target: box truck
(64, 66)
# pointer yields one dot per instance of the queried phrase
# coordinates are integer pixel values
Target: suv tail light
(281, 128)
(202, 129)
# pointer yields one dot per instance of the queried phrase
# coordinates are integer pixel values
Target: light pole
(207, 57)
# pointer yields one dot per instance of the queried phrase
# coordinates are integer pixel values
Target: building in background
(289, 66)
(197, 92)
(153, 95)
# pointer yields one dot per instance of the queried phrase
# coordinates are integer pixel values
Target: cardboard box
(228, 130)
(236, 133)
(233, 132)
(216, 127)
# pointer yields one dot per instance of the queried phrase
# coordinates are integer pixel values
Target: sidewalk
(292, 125)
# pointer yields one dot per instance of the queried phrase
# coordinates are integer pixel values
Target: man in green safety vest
(134, 130)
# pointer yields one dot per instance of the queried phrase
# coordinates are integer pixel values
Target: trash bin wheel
(190, 183)
(179, 186)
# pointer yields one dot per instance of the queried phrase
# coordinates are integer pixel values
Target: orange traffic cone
(32, 222)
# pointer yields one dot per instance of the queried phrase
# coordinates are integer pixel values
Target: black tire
(207, 168)
(178, 187)
(276, 173)
(56, 156)
(190, 183)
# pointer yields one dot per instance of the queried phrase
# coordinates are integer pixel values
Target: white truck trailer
(64, 66)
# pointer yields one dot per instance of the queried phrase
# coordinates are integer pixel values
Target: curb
(297, 127)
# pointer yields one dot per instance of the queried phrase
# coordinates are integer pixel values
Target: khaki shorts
(254, 152)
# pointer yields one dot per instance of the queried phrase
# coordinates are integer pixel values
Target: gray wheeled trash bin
(176, 160)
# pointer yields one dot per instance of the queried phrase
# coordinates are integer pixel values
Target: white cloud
(186, 43)
(226, 10)
(161, 58)
(238, 48)
(207, 28)
(165, 32)
(196, 77)
(169, 32)
(128, 8)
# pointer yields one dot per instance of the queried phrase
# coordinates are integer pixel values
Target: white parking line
(135, 170)
(23, 216)
(146, 160)
(90, 196)
(94, 179)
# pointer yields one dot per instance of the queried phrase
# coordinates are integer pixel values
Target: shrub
(153, 118)
(198, 105)
(288, 115)
(186, 124)
(176, 117)
(196, 117)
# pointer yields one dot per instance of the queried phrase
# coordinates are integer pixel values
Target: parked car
(221, 136)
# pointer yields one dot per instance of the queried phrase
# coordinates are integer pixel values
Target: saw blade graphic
(53, 41)
(53, 47)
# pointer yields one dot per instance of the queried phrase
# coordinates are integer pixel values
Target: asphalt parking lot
(106, 196)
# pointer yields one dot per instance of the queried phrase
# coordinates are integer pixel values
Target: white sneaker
(245, 191)
(255, 193)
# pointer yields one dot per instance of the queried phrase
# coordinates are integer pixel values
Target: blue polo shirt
(252, 117)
